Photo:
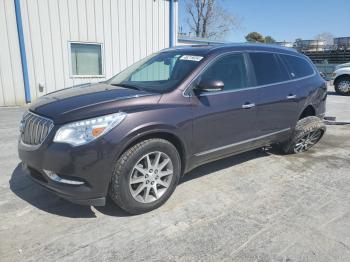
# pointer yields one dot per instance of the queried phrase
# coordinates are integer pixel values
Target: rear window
(268, 69)
(297, 66)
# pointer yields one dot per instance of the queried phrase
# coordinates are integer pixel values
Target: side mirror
(208, 85)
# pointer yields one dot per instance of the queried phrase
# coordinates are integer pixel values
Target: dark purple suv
(133, 137)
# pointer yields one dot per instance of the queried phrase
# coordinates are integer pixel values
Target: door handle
(291, 96)
(248, 105)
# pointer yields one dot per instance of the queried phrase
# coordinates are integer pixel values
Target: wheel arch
(165, 134)
(309, 110)
(340, 77)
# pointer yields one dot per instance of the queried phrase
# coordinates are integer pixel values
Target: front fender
(149, 128)
(158, 130)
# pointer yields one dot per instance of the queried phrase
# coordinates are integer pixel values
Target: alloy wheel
(344, 86)
(307, 141)
(151, 176)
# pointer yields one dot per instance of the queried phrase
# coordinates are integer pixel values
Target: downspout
(22, 50)
(171, 23)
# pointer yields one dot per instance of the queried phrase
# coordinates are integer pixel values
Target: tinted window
(268, 69)
(298, 67)
(230, 69)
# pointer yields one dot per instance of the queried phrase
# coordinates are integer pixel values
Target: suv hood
(342, 66)
(90, 100)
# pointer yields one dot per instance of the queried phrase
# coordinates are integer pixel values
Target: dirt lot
(258, 206)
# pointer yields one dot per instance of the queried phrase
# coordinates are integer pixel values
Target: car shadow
(333, 93)
(36, 195)
(227, 162)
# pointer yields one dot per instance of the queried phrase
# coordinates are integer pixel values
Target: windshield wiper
(127, 86)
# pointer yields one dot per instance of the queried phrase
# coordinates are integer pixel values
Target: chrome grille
(34, 129)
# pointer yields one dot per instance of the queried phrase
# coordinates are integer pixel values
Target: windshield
(160, 72)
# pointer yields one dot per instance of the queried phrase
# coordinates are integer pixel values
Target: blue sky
(285, 20)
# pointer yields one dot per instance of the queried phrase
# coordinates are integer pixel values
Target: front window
(230, 69)
(160, 72)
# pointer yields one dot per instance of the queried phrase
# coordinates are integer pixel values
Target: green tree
(255, 37)
(269, 40)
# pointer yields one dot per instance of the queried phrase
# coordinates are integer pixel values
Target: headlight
(84, 131)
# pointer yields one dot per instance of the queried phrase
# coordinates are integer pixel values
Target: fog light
(53, 176)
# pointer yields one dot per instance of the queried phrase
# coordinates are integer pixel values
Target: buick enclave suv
(132, 137)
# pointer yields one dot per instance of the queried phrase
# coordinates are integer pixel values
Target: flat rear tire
(307, 133)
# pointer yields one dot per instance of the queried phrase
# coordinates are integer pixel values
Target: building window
(86, 59)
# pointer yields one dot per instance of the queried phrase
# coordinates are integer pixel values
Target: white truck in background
(341, 79)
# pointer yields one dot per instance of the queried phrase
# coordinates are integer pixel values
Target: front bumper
(72, 194)
(91, 164)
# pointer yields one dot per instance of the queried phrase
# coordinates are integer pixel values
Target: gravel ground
(257, 206)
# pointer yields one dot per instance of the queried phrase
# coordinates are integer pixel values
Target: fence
(327, 69)
(330, 56)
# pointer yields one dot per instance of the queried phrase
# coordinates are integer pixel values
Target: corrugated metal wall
(11, 79)
(128, 29)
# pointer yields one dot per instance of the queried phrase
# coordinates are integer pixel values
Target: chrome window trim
(241, 142)
(34, 147)
(185, 94)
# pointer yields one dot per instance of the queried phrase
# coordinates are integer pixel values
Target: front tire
(342, 86)
(145, 176)
(308, 131)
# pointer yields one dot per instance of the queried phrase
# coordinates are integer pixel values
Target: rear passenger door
(277, 101)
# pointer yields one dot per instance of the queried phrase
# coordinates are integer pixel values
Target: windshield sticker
(191, 58)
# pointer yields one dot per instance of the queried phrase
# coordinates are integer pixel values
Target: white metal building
(47, 45)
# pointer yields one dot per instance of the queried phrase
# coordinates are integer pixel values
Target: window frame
(189, 90)
(279, 62)
(71, 75)
(286, 67)
(290, 69)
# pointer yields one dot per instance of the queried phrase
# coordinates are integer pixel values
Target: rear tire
(342, 85)
(139, 183)
(308, 131)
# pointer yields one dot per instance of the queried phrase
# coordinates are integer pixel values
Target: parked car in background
(341, 79)
(342, 65)
(133, 137)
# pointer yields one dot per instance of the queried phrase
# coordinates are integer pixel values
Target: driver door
(224, 121)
